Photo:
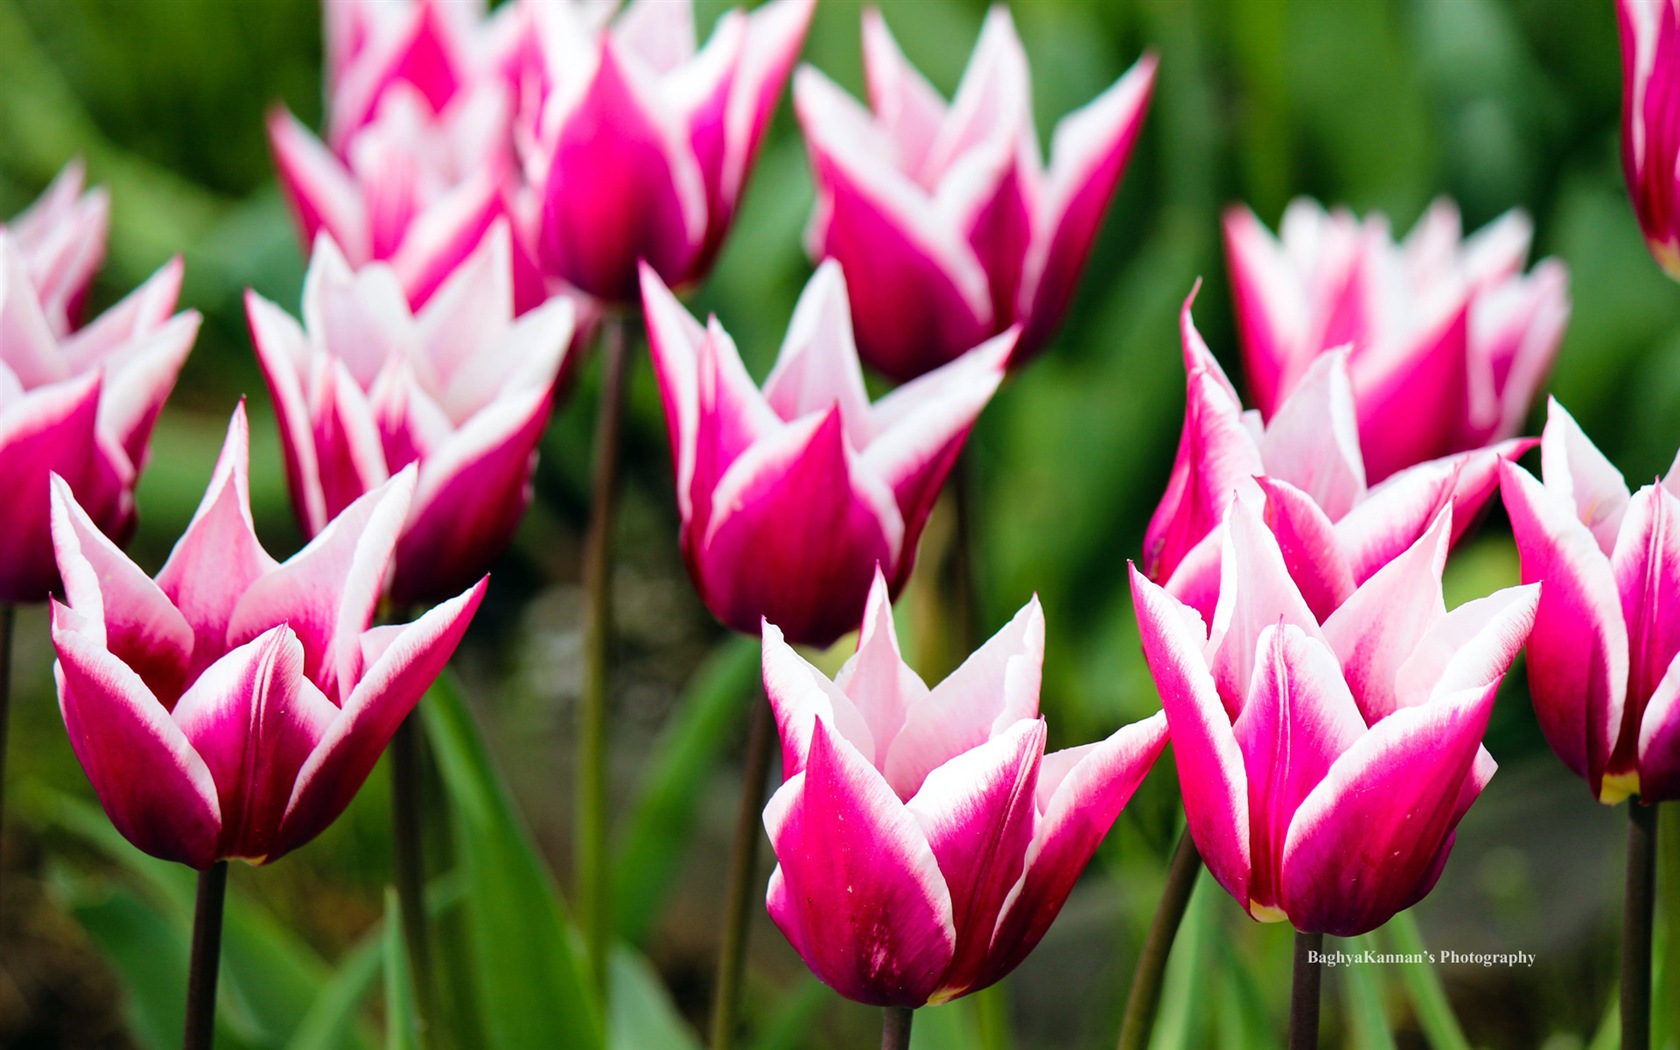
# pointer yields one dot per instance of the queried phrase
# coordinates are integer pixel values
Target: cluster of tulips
(492, 191)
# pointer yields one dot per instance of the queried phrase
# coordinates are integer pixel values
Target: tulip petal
(254, 719)
(1425, 384)
(1088, 154)
(218, 558)
(1578, 472)
(51, 430)
(884, 687)
(1366, 839)
(322, 194)
(137, 385)
(283, 353)
(801, 695)
(1217, 458)
(978, 813)
(862, 894)
(1255, 592)
(1298, 719)
(1659, 740)
(622, 184)
(796, 508)
(125, 611)
(1211, 771)
(1646, 565)
(1307, 540)
(394, 680)
(996, 687)
(1578, 650)
(1294, 448)
(156, 789)
(1272, 309)
(327, 592)
(817, 367)
(1380, 625)
(1081, 792)
(907, 108)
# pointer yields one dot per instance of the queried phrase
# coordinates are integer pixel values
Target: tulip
(1451, 341)
(949, 226)
(62, 239)
(1304, 467)
(80, 405)
(925, 840)
(232, 707)
(1325, 763)
(791, 497)
(462, 390)
(641, 144)
(1602, 660)
(1651, 122)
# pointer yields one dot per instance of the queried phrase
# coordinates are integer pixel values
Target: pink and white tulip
(1450, 340)
(1325, 762)
(640, 143)
(1305, 471)
(945, 218)
(1651, 122)
(232, 707)
(924, 840)
(80, 405)
(1604, 659)
(791, 497)
(460, 388)
(62, 239)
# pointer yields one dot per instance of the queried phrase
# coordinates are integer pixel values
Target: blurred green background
(1378, 104)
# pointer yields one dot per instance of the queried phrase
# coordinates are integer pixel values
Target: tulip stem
(1145, 997)
(1636, 925)
(1303, 998)
(206, 958)
(409, 860)
(742, 864)
(7, 613)
(895, 1027)
(594, 909)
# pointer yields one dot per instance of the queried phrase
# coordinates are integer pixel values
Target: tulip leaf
(401, 1021)
(527, 962)
(941, 1027)
(1362, 996)
(708, 718)
(642, 1012)
(332, 1020)
(1182, 1020)
(1423, 985)
(1244, 1019)
(788, 1028)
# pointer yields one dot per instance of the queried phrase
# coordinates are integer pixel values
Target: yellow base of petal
(1617, 787)
(1266, 912)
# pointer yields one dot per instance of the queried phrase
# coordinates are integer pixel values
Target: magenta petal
(50, 430)
(1576, 470)
(393, 682)
(157, 790)
(1211, 774)
(472, 492)
(862, 895)
(1298, 719)
(1659, 740)
(322, 193)
(327, 592)
(218, 558)
(1368, 837)
(1646, 564)
(1408, 415)
(800, 695)
(1271, 307)
(1255, 592)
(978, 813)
(623, 185)
(140, 626)
(1395, 513)
(254, 719)
(283, 353)
(1308, 542)
(1312, 441)
(1081, 792)
(1578, 650)
(796, 536)
(136, 388)
(1088, 154)
(1217, 457)
(882, 686)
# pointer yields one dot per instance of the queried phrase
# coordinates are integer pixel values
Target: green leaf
(526, 958)
(1182, 1021)
(1244, 1019)
(790, 1026)
(642, 1012)
(947, 1027)
(1362, 997)
(332, 1020)
(707, 720)
(1423, 985)
(401, 1031)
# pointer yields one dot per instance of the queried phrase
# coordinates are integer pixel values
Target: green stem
(594, 909)
(206, 958)
(1304, 992)
(1423, 986)
(1636, 925)
(1145, 997)
(409, 861)
(743, 863)
(895, 1027)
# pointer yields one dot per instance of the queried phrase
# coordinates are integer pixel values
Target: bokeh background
(1379, 105)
